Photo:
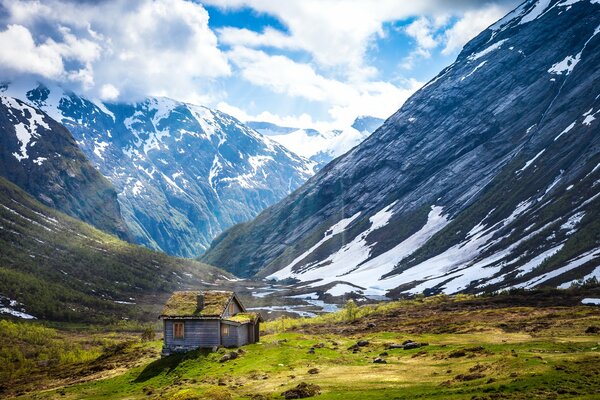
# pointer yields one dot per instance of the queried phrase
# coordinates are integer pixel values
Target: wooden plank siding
(197, 333)
(230, 340)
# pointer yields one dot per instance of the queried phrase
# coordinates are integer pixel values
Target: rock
(228, 356)
(311, 350)
(362, 343)
(371, 325)
(384, 354)
(457, 354)
(592, 329)
(469, 377)
(302, 391)
(407, 342)
(411, 345)
(379, 360)
(394, 346)
(313, 371)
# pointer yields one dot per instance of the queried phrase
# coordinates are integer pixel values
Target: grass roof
(185, 304)
(243, 318)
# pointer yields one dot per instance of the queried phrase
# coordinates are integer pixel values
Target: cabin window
(224, 330)
(231, 308)
(178, 330)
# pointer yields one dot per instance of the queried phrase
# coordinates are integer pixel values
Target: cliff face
(488, 177)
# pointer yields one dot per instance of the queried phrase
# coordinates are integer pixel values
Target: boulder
(302, 391)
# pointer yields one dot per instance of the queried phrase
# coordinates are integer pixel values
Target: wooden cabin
(208, 319)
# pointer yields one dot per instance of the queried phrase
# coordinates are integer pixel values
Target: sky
(300, 63)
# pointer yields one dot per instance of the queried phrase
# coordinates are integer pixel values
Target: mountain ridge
(182, 172)
(41, 156)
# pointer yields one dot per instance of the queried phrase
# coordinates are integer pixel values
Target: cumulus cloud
(20, 54)
(122, 50)
(344, 100)
(469, 25)
(138, 48)
(337, 33)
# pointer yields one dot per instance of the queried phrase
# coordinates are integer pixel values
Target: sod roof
(243, 318)
(186, 304)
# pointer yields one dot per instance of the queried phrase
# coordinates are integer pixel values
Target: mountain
(367, 124)
(183, 173)
(40, 155)
(320, 147)
(486, 178)
(55, 267)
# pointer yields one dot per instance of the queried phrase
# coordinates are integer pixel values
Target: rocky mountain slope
(487, 178)
(55, 267)
(40, 155)
(320, 147)
(183, 173)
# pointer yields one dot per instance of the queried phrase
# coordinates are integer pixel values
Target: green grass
(472, 353)
(62, 269)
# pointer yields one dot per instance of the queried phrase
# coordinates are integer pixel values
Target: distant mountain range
(320, 147)
(487, 178)
(183, 173)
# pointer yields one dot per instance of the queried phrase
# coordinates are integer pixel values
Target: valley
(513, 346)
(404, 198)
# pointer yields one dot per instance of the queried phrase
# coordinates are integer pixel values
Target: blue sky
(304, 63)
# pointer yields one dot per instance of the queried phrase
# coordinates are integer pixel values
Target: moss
(244, 317)
(185, 304)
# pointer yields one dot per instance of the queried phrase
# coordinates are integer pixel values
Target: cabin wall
(243, 334)
(197, 333)
(231, 340)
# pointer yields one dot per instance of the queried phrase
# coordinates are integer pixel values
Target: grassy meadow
(472, 348)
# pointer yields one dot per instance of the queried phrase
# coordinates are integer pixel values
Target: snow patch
(488, 50)
(566, 130)
(341, 289)
(528, 163)
(536, 11)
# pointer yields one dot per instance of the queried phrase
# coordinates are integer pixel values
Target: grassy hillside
(477, 348)
(55, 267)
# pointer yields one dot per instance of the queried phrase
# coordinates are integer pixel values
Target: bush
(350, 311)
(148, 335)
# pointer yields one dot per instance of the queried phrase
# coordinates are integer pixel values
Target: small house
(207, 319)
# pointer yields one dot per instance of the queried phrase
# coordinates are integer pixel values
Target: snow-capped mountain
(40, 155)
(320, 147)
(487, 178)
(183, 172)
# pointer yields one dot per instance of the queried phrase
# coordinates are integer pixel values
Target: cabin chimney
(200, 301)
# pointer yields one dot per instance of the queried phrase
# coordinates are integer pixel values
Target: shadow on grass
(169, 364)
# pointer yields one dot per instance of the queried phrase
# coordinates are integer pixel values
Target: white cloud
(285, 76)
(244, 37)
(343, 100)
(337, 33)
(109, 92)
(140, 48)
(469, 26)
(20, 54)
